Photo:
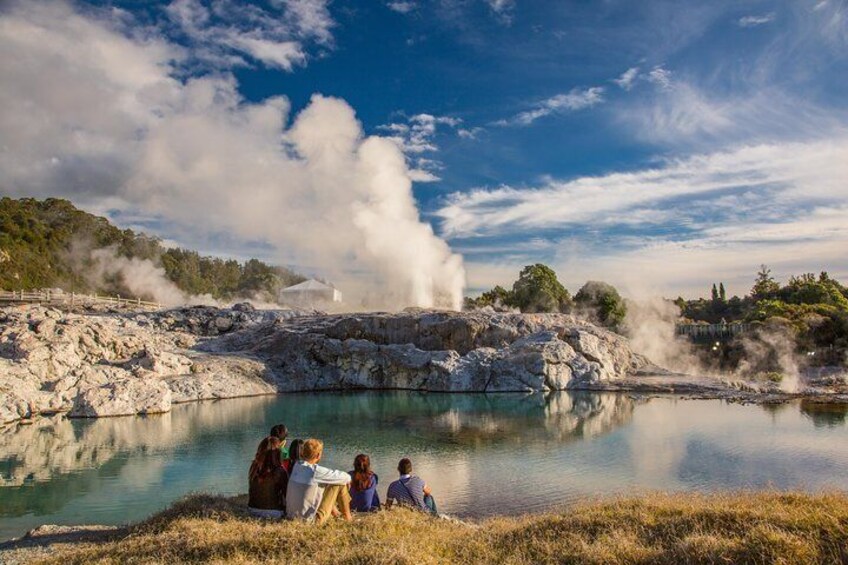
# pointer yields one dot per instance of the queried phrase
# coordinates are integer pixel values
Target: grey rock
(123, 397)
(114, 363)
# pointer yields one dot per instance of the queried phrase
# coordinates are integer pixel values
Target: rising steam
(127, 132)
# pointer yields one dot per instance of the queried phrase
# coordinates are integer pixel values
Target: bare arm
(426, 489)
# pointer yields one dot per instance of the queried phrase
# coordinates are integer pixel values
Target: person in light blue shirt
(314, 492)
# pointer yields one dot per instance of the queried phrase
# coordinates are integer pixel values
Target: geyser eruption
(128, 132)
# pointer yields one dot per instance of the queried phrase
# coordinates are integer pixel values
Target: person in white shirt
(314, 492)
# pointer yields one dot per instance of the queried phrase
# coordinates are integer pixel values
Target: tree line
(48, 243)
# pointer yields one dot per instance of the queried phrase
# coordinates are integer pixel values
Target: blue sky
(658, 145)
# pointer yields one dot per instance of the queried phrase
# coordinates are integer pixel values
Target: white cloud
(281, 54)
(660, 76)
(402, 6)
(310, 18)
(416, 136)
(574, 100)
(502, 9)
(224, 32)
(754, 21)
(799, 173)
(626, 79)
(680, 113)
(668, 229)
(96, 116)
(469, 133)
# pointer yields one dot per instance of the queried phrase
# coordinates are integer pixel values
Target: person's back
(410, 490)
(363, 486)
(313, 491)
(267, 481)
(268, 491)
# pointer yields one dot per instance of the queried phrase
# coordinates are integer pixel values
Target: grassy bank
(730, 528)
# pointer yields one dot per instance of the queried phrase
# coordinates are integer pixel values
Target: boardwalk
(56, 297)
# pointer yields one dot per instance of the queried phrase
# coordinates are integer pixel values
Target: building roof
(311, 284)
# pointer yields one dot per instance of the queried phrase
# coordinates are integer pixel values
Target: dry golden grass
(785, 528)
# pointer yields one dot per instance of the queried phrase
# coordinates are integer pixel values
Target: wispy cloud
(756, 20)
(660, 76)
(416, 136)
(670, 226)
(796, 174)
(469, 133)
(626, 79)
(225, 33)
(502, 9)
(402, 6)
(574, 100)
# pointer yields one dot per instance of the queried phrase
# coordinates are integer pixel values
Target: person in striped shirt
(410, 490)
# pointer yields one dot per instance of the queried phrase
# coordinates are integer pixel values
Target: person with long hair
(267, 481)
(363, 486)
(294, 455)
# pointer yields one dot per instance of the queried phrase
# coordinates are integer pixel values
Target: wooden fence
(712, 331)
(60, 298)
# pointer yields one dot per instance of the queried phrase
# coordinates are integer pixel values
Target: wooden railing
(55, 297)
(710, 331)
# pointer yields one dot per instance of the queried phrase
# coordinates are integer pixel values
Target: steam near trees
(604, 301)
(51, 243)
(811, 309)
(538, 289)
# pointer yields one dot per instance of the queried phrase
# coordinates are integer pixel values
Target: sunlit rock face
(122, 363)
(444, 351)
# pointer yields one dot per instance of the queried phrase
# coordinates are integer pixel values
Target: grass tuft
(769, 527)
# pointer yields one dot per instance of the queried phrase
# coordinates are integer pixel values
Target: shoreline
(760, 525)
(128, 363)
(672, 388)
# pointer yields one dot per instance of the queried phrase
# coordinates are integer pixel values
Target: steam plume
(104, 119)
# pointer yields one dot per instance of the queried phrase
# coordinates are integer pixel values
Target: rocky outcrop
(111, 364)
(442, 351)
(119, 363)
(123, 397)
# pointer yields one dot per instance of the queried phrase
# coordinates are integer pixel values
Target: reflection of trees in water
(58, 445)
(418, 420)
(586, 415)
(825, 414)
(559, 416)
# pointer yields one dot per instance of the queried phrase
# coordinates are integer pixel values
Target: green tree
(605, 300)
(722, 294)
(714, 293)
(765, 287)
(538, 290)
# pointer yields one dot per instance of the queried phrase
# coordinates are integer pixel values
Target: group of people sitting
(287, 481)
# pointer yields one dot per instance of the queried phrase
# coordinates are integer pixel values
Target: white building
(310, 293)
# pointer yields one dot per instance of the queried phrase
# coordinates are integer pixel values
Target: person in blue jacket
(363, 486)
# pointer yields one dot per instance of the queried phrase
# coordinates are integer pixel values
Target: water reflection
(55, 446)
(824, 414)
(482, 454)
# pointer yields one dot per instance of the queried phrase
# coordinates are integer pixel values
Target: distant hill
(51, 243)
